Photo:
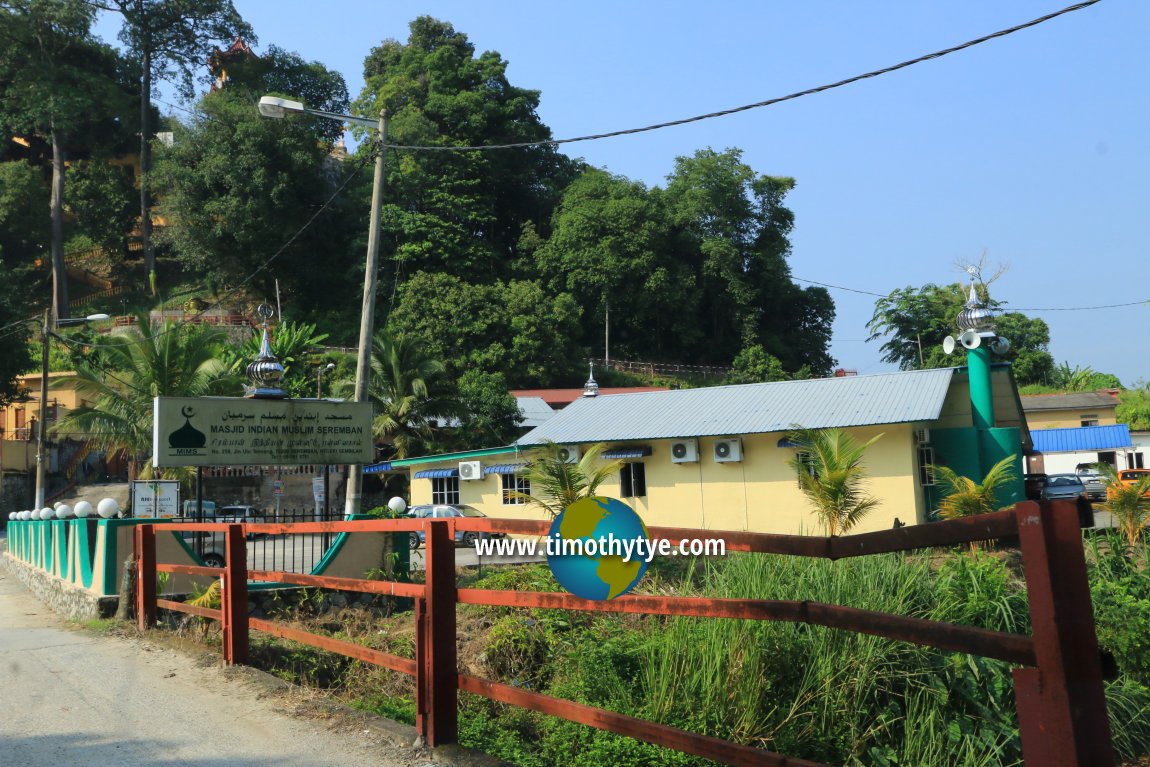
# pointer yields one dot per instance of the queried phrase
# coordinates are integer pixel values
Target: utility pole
(367, 316)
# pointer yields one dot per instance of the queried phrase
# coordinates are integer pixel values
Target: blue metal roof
(904, 397)
(504, 468)
(436, 473)
(377, 468)
(1081, 439)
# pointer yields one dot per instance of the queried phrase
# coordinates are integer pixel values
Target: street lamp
(319, 378)
(42, 427)
(273, 106)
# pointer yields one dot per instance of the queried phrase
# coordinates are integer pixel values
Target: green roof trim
(464, 456)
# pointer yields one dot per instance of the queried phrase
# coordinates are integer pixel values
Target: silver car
(1060, 487)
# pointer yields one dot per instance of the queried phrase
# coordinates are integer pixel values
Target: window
(1109, 456)
(445, 490)
(633, 480)
(1134, 461)
(808, 466)
(513, 483)
(925, 466)
(1090, 419)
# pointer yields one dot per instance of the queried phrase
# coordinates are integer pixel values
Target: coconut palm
(409, 391)
(1128, 504)
(831, 475)
(963, 497)
(557, 483)
(127, 371)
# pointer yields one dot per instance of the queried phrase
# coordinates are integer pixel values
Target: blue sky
(1031, 149)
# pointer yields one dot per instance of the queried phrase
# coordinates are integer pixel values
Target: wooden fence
(1058, 682)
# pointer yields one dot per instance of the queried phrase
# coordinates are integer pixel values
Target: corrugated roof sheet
(1082, 438)
(377, 468)
(903, 397)
(1071, 401)
(534, 410)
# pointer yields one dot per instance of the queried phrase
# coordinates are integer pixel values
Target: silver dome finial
(265, 372)
(591, 389)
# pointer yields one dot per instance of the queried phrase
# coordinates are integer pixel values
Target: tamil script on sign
(233, 431)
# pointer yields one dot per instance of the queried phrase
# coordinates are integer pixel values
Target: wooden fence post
(234, 599)
(440, 671)
(145, 546)
(1061, 703)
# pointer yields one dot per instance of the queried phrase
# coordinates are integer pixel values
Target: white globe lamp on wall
(83, 510)
(397, 505)
(63, 511)
(108, 508)
(47, 513)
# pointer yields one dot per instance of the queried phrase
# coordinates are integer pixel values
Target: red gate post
(234, 600)
(145, 576)
(421, 676)
(1061, 703)
(440, 671)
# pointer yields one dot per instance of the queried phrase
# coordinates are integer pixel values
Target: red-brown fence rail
(1058, 685)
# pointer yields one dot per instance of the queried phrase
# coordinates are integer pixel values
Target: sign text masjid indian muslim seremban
(230, 431)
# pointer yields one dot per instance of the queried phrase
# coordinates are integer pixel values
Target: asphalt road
(75, 698)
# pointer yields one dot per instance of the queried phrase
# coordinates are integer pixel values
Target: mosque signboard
(233, 431)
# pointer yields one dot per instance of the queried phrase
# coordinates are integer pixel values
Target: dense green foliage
(1134, 407)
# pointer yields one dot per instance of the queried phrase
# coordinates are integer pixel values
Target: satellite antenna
(948, 344)
(1000, 346)
(970, 339)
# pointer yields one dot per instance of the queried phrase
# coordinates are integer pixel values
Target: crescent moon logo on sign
(187, 411)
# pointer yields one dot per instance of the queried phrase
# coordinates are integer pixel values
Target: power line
(760, 104)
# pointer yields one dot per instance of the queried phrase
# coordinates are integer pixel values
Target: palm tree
(963, 497)
(829, 466)
(1128, 504)
(556, 483)
(128, 371)
(409, 390)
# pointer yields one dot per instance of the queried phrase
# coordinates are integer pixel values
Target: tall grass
(837, 696)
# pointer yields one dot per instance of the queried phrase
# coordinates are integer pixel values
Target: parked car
(188, 509)
(244, 515)
(1131, 476)
(447, 511)
(1092, 478)
(1034, 484)
(1060, 487)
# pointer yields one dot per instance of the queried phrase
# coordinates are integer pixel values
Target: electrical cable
(760, 104)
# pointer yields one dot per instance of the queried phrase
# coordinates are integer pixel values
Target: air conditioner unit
(922, 436)
(728, 450)
(569, 453)
(685, 451)
(470, 470)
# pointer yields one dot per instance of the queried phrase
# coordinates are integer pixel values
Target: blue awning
(1084, 438)
(504, 468)
(630, 451)
(377, 468)
(436, 473)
